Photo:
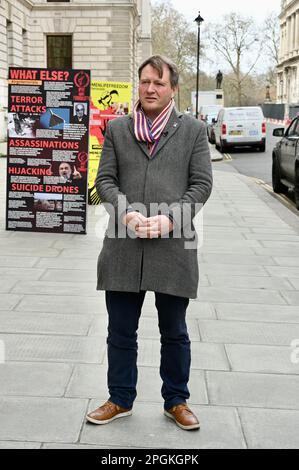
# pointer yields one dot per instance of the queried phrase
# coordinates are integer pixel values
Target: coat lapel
(171, 127)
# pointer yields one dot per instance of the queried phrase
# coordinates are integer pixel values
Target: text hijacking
(29, 171)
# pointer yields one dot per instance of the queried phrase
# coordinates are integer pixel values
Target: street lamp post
(198, 20)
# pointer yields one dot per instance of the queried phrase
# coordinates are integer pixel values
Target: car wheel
(296, 188)
(278, 187)
(262, 148)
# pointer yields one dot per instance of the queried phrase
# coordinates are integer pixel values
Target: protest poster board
(47, 150)
(109, 100)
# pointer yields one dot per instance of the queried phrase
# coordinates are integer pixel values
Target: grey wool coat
(178, 175)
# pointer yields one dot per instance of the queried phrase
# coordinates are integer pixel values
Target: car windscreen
(211, 116)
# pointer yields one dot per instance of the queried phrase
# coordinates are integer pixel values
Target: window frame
(294, 128)
(68, 58)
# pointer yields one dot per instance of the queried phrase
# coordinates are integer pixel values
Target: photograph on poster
(68, 173)
(65, 172)
(55, 118)
(80, 114)
(48, 202)
(22, 125)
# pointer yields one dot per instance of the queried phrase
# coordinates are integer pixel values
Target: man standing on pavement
(158, 157)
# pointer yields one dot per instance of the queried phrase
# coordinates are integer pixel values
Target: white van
(244, 126)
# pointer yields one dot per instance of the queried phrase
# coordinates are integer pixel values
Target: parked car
(285, 160)
(211, 131)
(208, 113)
(243, 126)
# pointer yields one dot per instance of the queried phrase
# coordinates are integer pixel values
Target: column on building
(290, 45)
(288, 23)
(294, 85)
(284, 40)
(297, 32)
(287, 84)
(281, 42)
(297, 85)
(291, 34)
(294, 32)
(284, 86)
(279, 86)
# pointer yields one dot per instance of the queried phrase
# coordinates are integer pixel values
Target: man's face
(65, 170)
(155, 93)
(80, 111)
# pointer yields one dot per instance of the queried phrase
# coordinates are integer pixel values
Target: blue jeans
(124, 309)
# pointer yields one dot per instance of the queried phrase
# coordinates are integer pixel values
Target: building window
(59, 52)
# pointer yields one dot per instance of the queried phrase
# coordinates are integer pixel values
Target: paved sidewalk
(215, 155)
(244, 386)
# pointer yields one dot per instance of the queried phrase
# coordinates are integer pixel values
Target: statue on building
(219, 78)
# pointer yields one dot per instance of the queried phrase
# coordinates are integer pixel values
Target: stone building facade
(108, 37)
(288, 68)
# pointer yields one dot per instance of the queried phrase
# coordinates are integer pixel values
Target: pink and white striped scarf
(150, 134)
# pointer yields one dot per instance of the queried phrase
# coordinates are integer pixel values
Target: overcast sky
(212, 11)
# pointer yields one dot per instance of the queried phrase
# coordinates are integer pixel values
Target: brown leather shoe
(183, 416)
(107, 413)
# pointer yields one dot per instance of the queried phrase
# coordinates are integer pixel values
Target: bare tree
(233, 39)
(172, 35)
(271, 38)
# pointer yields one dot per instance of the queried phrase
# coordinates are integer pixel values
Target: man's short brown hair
(158, 62)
